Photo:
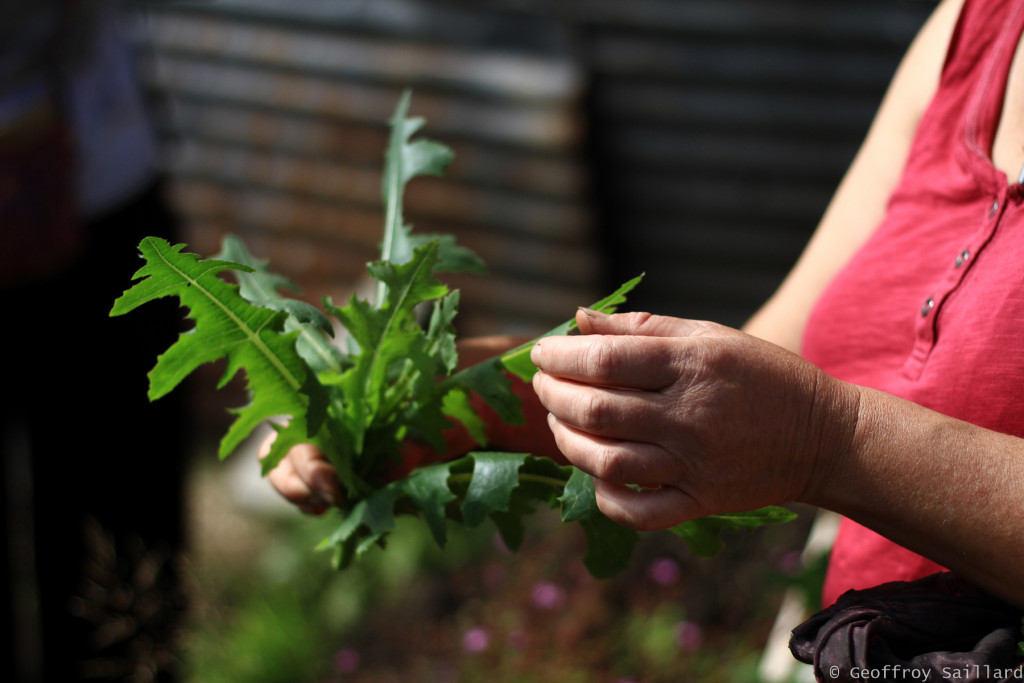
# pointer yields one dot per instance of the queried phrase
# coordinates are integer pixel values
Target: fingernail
(591, 313)
(535, 354)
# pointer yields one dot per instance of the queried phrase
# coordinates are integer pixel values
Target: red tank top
(931, 309)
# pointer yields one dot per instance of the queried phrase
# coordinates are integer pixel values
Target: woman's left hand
(677, 419)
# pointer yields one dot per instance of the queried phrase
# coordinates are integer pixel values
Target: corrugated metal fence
(696, 140)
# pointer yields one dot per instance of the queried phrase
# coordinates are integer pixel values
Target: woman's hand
(304, 477)
(676, 419)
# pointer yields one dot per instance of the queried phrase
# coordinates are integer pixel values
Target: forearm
(941, 487)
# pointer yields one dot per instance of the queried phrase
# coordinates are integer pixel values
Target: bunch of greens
(395, 381)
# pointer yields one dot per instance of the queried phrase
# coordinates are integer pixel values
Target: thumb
(639, 324)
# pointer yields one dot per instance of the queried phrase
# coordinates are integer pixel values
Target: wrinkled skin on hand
(677, 419)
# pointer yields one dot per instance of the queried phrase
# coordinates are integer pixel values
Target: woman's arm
(859, 203)
(944, 488)
(705, 419)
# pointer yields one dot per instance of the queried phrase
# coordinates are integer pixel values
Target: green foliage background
(268, 610)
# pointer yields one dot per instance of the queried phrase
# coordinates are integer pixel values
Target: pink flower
(476, 640)
(546, 595)
(664, 572)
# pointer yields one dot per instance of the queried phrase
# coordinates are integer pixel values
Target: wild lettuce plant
(394, 380)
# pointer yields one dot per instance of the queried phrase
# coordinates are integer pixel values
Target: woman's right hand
(304, 477)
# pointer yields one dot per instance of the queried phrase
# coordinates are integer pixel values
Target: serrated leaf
(510, 524)
(229, 327)
(517, 361)
(316, 348)
(429, 490)
(495, 475)
(540, 481)
(386, 336)
(702, 535)
(456, 405)
(261, 287)
(403, 161)
(454, 258)
(441, 331)
(609, 545)
(414, 279)
(369, 520)
(489, 381)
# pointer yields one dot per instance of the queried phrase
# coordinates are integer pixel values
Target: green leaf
(702, 534)
(456, 405)
(261, 287)
(428, 488)
(366, 523)
(609, 546)
(404, 160)
(387, 336)
(489, 381)
(395, 381)
(441, 332)
(540, 481)
(510, 523)
(578, 500)
(517, 361)
(454, 258)
(495, 475)
(226, 326)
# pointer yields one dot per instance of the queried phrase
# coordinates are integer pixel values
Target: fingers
(631, 362)
(613, 460)
(604, 411)
(640, 324)
(644, 509)
(632, 350)
(305, 478)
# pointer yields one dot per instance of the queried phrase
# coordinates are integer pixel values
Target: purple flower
(664, 572)
(689, 635)
(346, 660)
(546, 595)
(476, 640)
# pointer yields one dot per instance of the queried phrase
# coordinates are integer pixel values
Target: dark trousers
(92, 472)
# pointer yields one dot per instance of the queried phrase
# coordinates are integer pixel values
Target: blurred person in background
(92, 526)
